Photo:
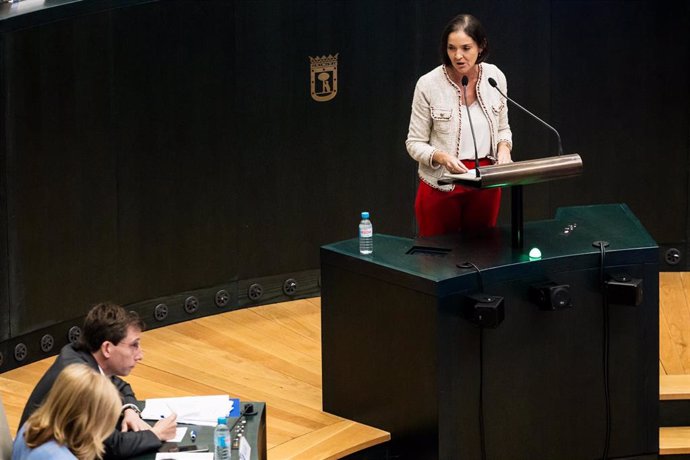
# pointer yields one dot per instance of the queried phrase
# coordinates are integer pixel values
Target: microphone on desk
(465, 80)
(493, 83)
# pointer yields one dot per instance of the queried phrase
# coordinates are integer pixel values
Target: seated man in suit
(110, 344)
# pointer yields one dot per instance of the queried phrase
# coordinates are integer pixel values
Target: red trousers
(463, 209)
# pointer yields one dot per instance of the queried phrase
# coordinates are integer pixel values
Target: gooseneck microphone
(493, 83)
(465, 80)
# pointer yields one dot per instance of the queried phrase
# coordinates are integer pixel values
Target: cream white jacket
(436, 120)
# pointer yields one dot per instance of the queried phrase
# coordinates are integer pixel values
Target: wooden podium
(400, 355)
(516, 175)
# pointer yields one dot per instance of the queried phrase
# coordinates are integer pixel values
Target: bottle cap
(365, 214)
(222, 421)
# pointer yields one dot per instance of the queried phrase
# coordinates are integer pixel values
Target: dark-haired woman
(440, 138)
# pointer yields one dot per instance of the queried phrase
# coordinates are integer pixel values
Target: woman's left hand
(503, 156)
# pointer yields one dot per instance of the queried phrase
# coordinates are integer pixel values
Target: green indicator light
(534, 254)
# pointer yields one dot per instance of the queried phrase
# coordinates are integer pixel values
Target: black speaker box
(484, 310)
(551, 295)
(622, 289)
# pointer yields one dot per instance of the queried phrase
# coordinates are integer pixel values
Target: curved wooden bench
(270, 353)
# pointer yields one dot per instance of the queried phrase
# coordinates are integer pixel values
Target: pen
(169, 408)
(192, 435)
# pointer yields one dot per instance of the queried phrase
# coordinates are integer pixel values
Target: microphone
(465, 80)
(493, 83)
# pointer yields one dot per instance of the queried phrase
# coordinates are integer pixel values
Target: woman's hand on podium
(503, 155)
(452, 164)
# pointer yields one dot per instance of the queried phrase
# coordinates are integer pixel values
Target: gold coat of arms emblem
(324, 77)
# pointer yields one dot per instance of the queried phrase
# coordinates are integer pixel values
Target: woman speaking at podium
(441, 137)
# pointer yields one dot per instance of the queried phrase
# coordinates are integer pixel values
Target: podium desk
(399, 354)
(255, 433)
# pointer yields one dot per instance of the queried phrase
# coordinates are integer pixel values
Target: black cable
(482, 434)
(606, 333)
(480, 282)
(244, 412)
(234, 439)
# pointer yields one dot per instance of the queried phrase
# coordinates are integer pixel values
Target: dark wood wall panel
(61, 191)
(620, 94)
(313, 166)
(154, 148)
(4, 266)
(174, 134)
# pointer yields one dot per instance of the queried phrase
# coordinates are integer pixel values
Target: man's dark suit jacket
(118, 445)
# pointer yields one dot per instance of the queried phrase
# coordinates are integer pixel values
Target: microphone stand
(493, 83)
(465, 80)
(516, 205)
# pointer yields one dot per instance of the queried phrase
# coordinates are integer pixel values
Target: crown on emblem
(325, 61)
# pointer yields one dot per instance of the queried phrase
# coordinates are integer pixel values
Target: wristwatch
(131, 406)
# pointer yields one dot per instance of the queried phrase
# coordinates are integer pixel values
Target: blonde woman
(79, 412)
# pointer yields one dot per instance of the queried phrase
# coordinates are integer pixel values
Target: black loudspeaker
(484, 310)
(551, 296)
(622, 289)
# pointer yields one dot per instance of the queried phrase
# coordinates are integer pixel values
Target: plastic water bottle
(221, 440)
(366, 235)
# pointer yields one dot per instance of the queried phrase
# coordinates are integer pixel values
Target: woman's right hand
(452, 164)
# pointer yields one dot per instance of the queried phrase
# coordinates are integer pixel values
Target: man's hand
(165, 428)
(132, 422)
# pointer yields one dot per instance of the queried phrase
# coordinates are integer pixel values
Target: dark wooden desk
(399, 355)
(255, 433)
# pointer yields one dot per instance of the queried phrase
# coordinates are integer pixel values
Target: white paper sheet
(184, 456)
(245, 449)
(179, 434)
(470, 175)
(193, 410)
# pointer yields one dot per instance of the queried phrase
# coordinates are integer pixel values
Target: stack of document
(184, 456)
(193, 410)
(449, 178)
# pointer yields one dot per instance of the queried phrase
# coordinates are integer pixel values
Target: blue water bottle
(221, 440)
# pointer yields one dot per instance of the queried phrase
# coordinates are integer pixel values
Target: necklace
(457, 77)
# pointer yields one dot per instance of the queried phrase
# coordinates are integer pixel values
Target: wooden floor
(270, 353)
(674, 323)
(674, 354)
(273, 353)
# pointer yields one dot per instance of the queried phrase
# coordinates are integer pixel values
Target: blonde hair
(80, 411)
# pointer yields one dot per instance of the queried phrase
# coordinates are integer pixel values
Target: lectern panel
(401, 352)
